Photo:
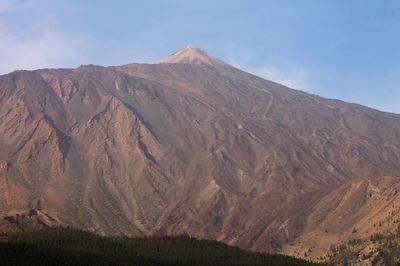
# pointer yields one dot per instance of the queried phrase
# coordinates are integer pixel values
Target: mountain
(191, 145)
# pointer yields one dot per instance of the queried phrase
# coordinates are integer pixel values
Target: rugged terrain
(191, 145)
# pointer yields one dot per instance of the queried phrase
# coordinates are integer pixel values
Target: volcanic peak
(190, 55)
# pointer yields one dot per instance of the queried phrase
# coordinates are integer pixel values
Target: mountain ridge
(189, 148)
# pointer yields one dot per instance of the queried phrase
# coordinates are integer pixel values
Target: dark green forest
(61, 246)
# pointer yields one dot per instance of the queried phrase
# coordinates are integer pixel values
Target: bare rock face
(192, 145)
(4, 166)
(30, 220)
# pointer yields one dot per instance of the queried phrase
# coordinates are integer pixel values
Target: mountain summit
(191, 55)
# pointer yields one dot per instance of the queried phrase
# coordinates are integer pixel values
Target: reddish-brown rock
(4, 167)
(190, 145)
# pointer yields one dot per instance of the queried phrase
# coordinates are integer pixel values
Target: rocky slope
(192, 145)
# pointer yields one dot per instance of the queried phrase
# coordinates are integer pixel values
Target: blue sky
(335, 48)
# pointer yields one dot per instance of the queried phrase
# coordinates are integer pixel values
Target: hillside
(191, 145)
(72, 247)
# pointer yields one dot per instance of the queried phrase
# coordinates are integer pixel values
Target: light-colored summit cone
(191, 55)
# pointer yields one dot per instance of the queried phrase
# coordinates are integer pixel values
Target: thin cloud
(289, 74)
(295, 77)
(40, 45)
(15, 5)
(48, 49)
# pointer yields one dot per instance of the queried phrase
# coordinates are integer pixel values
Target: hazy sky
(338, 49)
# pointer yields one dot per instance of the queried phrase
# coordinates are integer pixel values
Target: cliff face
(189, 145)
